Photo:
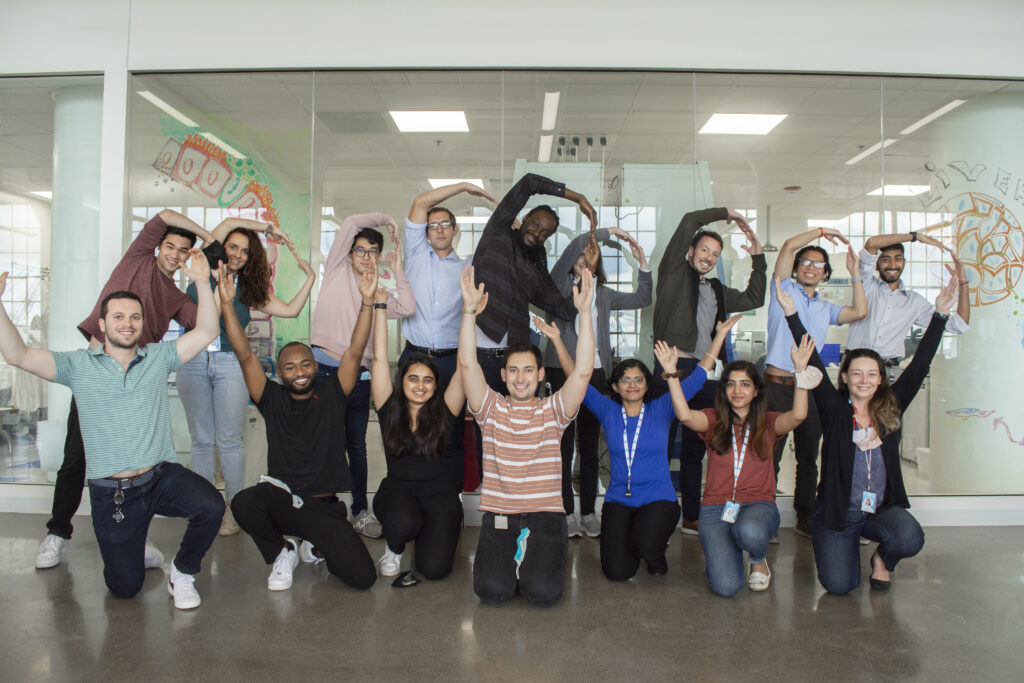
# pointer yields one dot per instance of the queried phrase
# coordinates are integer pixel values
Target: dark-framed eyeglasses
(359, 251)
(808, 262)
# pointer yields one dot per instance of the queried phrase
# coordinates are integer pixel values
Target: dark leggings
(631, 534)
(588, 429)
(433, 522)
(266, 513)
(67, 492)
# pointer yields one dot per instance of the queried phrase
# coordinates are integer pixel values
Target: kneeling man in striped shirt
(524, 542)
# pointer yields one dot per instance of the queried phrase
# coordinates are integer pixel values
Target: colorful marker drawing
(998, 421)
(969, 412)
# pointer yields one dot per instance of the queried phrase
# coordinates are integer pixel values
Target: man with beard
(689, 306)
(305, 467)
(120, 389)
(892, 309)
(799, 273)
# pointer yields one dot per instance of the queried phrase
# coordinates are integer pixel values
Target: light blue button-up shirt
(435, 285)
(815, 313)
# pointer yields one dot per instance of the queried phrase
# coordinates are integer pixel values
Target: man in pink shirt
(357, 245)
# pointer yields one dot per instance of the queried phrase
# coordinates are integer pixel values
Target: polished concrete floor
(955, 613)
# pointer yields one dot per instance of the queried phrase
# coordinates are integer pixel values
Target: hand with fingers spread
(368, 284)
(754, 246)
(549, 330)
(666, 355)
(947, 296)
(722, 328)
(784, 299)
(474, 298)
(198, 268)
(801, 355)
(583, 294)
(852, 263)
(833, 236)
(737, 218)
(226, 288)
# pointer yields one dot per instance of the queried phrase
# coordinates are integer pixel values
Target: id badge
(214, 345)
(365, 375)
(500, 522)
(729, 512)
(867, 501)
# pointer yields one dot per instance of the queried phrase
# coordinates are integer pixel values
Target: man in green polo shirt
(121, 393)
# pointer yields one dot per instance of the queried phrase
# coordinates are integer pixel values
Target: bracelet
(821, 232)
(380, 306)
(965, 284)
(468, 311)
(857, 279)
(710, 356)
(367, 305)
(670, 375)
(913, 236)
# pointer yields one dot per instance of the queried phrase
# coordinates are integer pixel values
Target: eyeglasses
(632, 380)
(118, 502)
(359, 251)
(808, 262)
(442, 225)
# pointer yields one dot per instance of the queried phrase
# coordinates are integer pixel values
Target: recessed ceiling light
(869, 151)
(550, 115)
(901, 190)
(160, 104)
(544, 153)
(931, 117)
(45, 194)
(223, 145)
(741, 124)
(441, 182)
(430, 121)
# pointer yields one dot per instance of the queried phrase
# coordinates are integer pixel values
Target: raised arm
(879, 242)
(575, 387)
(707, 361)
(825, 394)
(37, 361)
(784, 263)
(667, 357)
(223, 228)
(788, 421)
(380, 371)
(207, 326)
(176, 220)
(679, 244)
(551, 331)
(859, 309)
(423, 203)
(348, 368)
(290, 309)
(473, 300)
(561, 272)
(909, 382)
(252, 370)
(963, 303)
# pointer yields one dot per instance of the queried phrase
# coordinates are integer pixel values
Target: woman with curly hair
(861, 492)
(211, 385)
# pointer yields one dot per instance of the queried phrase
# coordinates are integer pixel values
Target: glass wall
(863, 154)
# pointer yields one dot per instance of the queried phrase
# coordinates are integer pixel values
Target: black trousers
(691, 452)
(433, 522)
(67, 492)
(807, 441)
(266, 513)
(531, 555)
(630, 534)
(588, 430)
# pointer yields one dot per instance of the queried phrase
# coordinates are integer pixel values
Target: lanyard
(737, 456)
(867, 453)
(630, 451)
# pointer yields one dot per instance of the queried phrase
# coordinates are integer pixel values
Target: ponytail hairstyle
(431, 436)
(884, 407)
(757, 417)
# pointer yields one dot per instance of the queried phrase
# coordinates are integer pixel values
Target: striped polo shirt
(123, 414)
(522, 454)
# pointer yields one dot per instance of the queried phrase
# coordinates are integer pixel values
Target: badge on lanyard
(867, 501)
(732, 508)
(729, 512)
(630, 452)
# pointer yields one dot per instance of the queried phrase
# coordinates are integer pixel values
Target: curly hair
(431, 436)
(722, 433)
(254, 278)
(883, 407)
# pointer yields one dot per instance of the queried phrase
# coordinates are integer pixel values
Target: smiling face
(237, 247)
(361, 261)
(173, 253)
(632, 386)
(740, 391)
(537, 227)
(418, 384)
(890, 265)
(862, 378)
(297, 370)
(704, 256)
(522, 376)
(122, 326)
(808, 274)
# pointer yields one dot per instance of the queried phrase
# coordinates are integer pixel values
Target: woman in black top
(418, 500)
(861, 491)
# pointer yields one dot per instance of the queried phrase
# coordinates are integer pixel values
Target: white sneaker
(182, 588)
(573, 522)
(280, 578)
(759, 581)
(591, 525)
(307, 555)
(154, 559)
(390, 563)
(51, 551)
(228, 525)
(366, 524)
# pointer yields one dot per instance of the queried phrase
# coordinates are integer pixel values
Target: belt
(491, 353)
(892, 362)
(780, 379)
(431, 353)
(129, 482)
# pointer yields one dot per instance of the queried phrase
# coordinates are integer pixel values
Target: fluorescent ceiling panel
(931, 117)
(160, 104)
(741, 124)
(901, 190)
(869, 151)
(430, 121)
(550, 115)
(441, 182)
(544, 153)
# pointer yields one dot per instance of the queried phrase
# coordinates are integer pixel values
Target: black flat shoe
(877, 584)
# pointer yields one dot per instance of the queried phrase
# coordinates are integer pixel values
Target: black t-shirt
(306, 438)
(415, 469)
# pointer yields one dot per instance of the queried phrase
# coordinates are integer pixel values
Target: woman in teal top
(211, 385)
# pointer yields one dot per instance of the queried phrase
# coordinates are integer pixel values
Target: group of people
(468, 345)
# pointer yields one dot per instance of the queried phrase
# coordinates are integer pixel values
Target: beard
(890, 279)
(116, 342)
(301, 391)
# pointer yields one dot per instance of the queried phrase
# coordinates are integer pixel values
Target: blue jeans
(214, 395)
(724, 543)
(357, 413)
(837, 553)
(173, 492)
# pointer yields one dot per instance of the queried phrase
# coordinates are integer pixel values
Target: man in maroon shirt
(152, 279)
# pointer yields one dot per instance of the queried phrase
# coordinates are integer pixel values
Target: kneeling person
(304, 422)
(524, 540)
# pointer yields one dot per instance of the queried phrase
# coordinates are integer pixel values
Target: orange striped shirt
(522, 455)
